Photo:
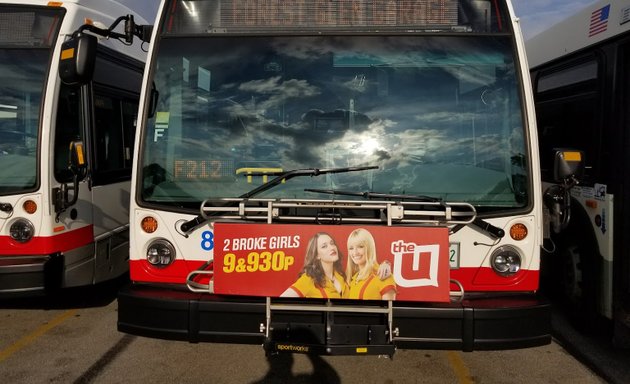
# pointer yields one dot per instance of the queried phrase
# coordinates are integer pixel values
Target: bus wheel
(578, 286)
(572, 276)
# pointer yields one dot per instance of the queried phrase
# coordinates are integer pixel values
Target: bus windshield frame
(440, 114)
(26, 42)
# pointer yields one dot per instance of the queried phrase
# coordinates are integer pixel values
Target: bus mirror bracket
(78, 166)
(568, 169)
(78, 54)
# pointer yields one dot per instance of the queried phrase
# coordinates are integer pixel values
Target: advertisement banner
(332, 261)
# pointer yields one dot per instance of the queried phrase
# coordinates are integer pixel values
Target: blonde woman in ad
(362, 270)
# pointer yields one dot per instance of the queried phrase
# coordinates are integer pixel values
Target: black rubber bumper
(474, 324)
(24, 276)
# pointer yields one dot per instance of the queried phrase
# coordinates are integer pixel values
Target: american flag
(599, 21)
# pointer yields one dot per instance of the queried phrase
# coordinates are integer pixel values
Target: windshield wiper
(493, 231)
(280, 177)
(377, 195)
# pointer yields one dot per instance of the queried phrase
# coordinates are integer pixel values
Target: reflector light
(30, 206)
(149, 224)
(572, 155)
(518, 231)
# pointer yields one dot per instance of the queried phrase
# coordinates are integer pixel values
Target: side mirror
(78, 56)
(78, 166)
(568, 164)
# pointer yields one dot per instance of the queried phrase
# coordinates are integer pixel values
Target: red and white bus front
(337, 177)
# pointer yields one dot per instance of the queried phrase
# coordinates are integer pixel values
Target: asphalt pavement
(594, 350)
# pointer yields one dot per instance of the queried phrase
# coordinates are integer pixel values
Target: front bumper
(29, 275)
(473, 324)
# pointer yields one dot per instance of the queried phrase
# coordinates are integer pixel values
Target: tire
(579, 272)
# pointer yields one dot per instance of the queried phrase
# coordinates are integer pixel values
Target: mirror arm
(131, 30)
(75, 191)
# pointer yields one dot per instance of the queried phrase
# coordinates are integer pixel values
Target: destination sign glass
(238, 16)
(28, 26)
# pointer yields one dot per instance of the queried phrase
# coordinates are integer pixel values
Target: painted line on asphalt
(460, 368)
(28, 339)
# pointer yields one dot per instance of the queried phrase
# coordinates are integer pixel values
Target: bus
(65, 149)
(337, 177)
(581, 81)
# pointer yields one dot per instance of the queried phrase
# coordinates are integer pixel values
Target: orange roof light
(518, 231)
(149, 224)
(55, 3)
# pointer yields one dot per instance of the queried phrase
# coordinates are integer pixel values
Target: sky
(535, 15)
(538, 15)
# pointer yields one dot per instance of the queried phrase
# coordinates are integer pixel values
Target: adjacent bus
(581, 79)
(65, 149)
(337, 177)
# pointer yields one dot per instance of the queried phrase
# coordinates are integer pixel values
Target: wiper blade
(280, 177)
(495, 232)
(378, 195)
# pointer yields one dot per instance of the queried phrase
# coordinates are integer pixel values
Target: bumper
(473, 324)
(29, 275)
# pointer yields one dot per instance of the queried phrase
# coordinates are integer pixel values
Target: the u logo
(417, 277)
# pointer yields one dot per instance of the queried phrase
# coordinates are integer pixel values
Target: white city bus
(581, 77)
(65, 150)
(276, 136)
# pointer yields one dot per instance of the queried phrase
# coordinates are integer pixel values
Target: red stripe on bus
(485, 279)
(473, 279)
(176, 273)
(45, 245)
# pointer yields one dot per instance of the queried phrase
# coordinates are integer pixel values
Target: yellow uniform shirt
(371, 288)
(305, 287)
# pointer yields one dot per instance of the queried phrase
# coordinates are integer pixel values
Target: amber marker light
(149, 224)
(518, 231)
(55, 3)
(30, 206)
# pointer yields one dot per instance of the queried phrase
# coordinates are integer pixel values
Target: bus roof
(113, 8)
(599, 21)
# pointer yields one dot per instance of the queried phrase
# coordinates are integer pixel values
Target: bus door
(101, 116)
(115, 95)
(114, 128)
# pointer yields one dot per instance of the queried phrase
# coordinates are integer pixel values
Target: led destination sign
(337, 13)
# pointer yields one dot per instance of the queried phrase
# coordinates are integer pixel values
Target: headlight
(22, 230)
(506, 260)
(160, 253)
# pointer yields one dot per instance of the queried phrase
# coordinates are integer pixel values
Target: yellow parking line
(460, 368)
(26, 340)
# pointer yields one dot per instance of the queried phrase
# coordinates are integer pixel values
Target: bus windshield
(26, 37)
(439, 115)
